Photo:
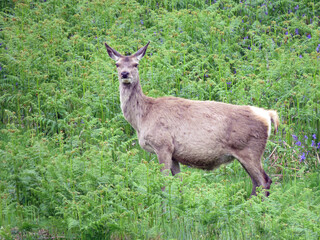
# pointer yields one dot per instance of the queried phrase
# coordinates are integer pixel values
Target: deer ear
(113, 53)
(141, 52)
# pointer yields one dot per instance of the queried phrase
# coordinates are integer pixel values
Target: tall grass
(70, 165)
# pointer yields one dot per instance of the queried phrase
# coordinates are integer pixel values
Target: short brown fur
(202, 134)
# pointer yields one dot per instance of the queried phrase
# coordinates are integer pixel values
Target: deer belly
(204, 156)
(204, 163)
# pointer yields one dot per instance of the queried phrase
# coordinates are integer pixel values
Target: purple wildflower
(302, 157)
(305, 137)
(318, 145)
(141, 21)
(0, 67)
(295, 137)
(309, 36)
(229, 83)
(296, 7)
(318, 48)
(297, 31)
(266, 13)
(286, 33)
(314, 136)
(298, 143)
(313, 144)
(300, 56)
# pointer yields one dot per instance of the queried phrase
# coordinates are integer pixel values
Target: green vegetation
(70, 165)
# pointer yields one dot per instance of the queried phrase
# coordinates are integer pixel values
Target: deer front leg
(165, 157)
(161, 143)
(175, 168)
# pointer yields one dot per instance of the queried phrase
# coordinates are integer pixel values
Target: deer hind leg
(252, 164)
(258, 178)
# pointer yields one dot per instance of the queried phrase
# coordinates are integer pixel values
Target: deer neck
(132, 103)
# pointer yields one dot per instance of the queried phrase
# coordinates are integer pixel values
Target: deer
(200, 134)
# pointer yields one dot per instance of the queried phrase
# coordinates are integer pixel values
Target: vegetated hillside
(70, 165)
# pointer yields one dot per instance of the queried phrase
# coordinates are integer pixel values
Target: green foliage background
(70, 165)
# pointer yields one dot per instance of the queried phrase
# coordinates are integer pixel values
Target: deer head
(127, 66)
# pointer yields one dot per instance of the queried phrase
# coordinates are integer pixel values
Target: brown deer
(201, 134)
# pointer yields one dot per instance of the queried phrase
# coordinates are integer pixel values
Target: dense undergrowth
(70, 165)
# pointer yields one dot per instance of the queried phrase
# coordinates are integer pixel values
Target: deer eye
(117, 65)
(135, 65)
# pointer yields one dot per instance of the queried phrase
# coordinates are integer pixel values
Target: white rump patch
(264, 116)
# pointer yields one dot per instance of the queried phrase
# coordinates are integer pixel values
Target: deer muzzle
(126, 80)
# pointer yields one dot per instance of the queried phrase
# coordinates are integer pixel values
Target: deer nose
(124, 74)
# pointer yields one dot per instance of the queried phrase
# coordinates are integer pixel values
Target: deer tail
(274, 119)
